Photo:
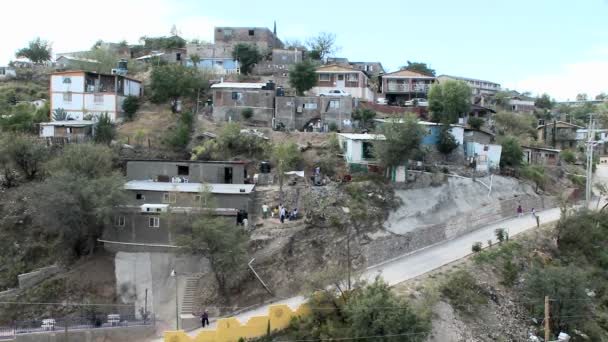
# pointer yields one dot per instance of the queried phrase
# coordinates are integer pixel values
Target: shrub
(130, 107)
(568, 156)
(333, 127)
(509, 273)
(500, 234)
(463, 292)
(476, 248)
(247, 113)
(475, 122)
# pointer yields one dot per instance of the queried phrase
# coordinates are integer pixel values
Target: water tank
(265, 167)
(270, 85)
(280, 91)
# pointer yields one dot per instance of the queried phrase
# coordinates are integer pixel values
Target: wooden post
(547, 320)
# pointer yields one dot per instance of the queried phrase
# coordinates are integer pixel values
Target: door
(227, 175)
(340, 81)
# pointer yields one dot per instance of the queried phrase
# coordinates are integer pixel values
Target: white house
(7, 72)
(357, 148)
(84, 95)
(350, 80)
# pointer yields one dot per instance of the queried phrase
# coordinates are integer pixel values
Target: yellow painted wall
(230, 329)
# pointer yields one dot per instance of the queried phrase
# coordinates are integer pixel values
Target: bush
(130, 107)
(500, 234)
(179, 137)
(511, 152)
(475, 122)
(247, 113)
(568, 156)
(463, 292)
(333, 127)
(104, 129)
(476, 248)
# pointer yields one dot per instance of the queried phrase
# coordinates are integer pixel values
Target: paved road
(425, 260)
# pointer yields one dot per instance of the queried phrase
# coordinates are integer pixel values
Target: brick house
(403, 85)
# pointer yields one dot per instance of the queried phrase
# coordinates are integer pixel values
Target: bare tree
(324, 44)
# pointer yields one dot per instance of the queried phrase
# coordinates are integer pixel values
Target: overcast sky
(554, 46)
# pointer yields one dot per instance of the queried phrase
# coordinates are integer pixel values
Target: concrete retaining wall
(127, 334)
(27, 280)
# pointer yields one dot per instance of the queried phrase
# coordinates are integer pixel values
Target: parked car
(417, 102)
(381, 101)
(335, 92)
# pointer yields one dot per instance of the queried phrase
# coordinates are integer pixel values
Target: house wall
(262, 37)
(198, 172)
(187, 199)
(486, 156)
(476, 136)
(225, 108)
(364, 93)
(293, 112)
(540, 157)
(432, 136)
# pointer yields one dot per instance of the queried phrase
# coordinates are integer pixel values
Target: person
(283, 213)
(533, 211)
(265, 211)
(536, 217)
(246, 224)
(275, 212)
(205, 318)
(293, 215)
(520, 211)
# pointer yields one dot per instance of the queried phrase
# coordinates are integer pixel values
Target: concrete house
(161, 193)
(312, 113)
(231, 98)
(216, 58)
(85, 95)
(72, 130)
(479, 152)
(169, 55)
(346, 78)
(263, 38)
(7, 72)
(558, 134)
(371, 69)
(357, 150)
(540, 155)
(403, 85)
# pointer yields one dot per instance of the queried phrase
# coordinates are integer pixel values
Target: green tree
(24, 153)
(323, 45)
(60, 114)
(365, 117)
(178, 137)
(247, 55)
(520, 125)
(418, 67)
(449, 100)
(582, 97)
(160, 43)
(285, 156)
(84, 160)
(195, 59)
(544, 102)
(502, 100)
(174, 81)
(130, 106)
(535, 173)
(512, 153)
(104, 129)
(38, 51)
(446, 142)
(402, 138)
(303, 77)
(247, 113)
(475, 122)
(568, 156)
(21, 119)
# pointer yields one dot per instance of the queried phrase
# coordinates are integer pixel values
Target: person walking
(265, 211)
(282, 214)
(205, 318)
(520, 211)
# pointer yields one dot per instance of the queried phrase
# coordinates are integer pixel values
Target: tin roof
(147, 185)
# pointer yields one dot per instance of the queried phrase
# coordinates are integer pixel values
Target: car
(335, 92)
(417, 102)
(381, 101)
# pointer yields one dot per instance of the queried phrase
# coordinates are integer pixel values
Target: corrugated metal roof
(407, 73)
(359, 136)
(69, 123)
(147, 185)
(238, 85)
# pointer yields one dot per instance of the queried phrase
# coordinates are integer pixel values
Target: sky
(555, 46)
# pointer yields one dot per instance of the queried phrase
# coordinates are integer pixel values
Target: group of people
(520, 213)
(281, 212)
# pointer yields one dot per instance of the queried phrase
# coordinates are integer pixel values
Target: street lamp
(174, 275)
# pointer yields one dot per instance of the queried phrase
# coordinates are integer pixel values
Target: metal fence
(71, 324)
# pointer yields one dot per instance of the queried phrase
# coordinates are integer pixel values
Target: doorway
(340, 81)
(227, 175)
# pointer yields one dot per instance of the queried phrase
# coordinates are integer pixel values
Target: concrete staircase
(190, 299)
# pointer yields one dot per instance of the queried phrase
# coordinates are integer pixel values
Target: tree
(475, 122)
(60, 114)
(502, 100)
(84, 160)
(582, 97)
(285, 156)
(365, 117)
(449, 100)
(173, 81)
(104, 129)
(418, 67)
(323, 45)
(568, 156)
(544, 102)
(303, 77)
(130, 106)
(515, 124)
(291, 44)
(512, 153)
(601, 96)
(247, 55)
(247, 113)
(446, 142)
(535, 173)
(402, 139)
(38, 51)
(178, 137)
(195, 59)
(21, 119)
(24, 153)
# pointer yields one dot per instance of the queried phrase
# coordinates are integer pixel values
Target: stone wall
(27, 280)
(127, 334)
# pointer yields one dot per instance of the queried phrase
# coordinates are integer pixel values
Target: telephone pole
(590, 146)
(547, 320)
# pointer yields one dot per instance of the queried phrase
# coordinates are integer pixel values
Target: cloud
(565, 82)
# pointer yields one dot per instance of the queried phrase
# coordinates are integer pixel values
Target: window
(367, 150)
(251, 32)
(140, 197)
(119, 221)
(154, 222)
(236, 95)
(169, 198)
(68, 130)
(341, 77)
(67, 97)
(98, 98)
(352, 77)
(183, 170)
(178, 56)
(67, 80)
(335, 104)
(197, 198)
(227, 33)
(310, 106)
(324, 77)
(486, 147)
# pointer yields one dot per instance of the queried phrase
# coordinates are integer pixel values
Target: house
(522, 104)
(83, 95)
(540, 155)
(72, 62)
(216, 58)
(313, 113)
(345, 78)
(216, 172)
(357, 150)
(403, 85)
(476, 111)
(479, 152)
(481, 136)
(371, 69)
(280, 62)
(72, 130)
(7, 72)
(169, 55)
(230, 99)
(261, 37)
(601, 136)
(558, 133)
(482, 91)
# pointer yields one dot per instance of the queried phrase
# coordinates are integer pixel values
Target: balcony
(407, 88)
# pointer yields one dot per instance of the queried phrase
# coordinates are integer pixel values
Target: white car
(335, 92)
(419, 102)
(381, 101)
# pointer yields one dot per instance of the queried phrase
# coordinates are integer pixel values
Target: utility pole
(547, 321)
(590, 143)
